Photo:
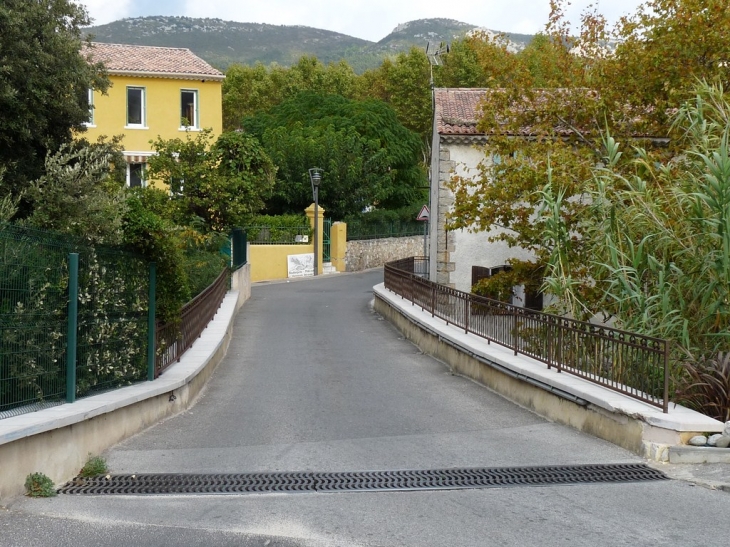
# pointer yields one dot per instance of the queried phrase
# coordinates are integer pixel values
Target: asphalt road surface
(314, 380)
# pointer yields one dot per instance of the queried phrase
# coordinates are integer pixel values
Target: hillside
(223, 43)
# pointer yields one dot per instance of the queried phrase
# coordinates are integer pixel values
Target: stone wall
(372, 253)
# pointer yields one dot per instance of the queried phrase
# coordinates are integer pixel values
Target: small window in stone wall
(478, 273)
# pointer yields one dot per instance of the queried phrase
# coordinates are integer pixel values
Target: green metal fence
(278, 235)
(42, 361)
(366, 230)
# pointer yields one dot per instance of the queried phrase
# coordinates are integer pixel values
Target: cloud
(103, 11)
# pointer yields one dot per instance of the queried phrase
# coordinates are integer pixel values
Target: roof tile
(156, 61)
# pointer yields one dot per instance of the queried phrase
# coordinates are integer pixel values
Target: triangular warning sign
(425, 214)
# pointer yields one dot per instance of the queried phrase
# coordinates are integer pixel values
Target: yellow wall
(268, 262)
(338, 246)
(162, 99)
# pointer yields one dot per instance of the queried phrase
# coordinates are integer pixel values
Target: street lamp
(315, 177)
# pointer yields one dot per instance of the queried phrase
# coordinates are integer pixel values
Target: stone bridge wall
(372, 253)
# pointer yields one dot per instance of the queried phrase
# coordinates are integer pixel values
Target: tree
(368, 157)
(79, 194)
(44, 83)
(216, 184)
(247, 90)
(404, 85)
(626, 92)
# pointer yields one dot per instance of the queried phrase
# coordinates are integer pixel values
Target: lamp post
(315, 177)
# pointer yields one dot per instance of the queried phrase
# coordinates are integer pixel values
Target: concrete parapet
(561, 397)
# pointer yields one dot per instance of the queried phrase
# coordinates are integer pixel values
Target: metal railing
(173, 339)
(631, 364)
(279, 235)
(381, 230)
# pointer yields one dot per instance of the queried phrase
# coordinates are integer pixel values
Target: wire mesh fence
(381, 230)
(33, 298)
(278, 235)
(34, 303)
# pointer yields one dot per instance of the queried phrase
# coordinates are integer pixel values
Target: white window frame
(90, 122)
(143, 178)
(143, 107)
(195, 125)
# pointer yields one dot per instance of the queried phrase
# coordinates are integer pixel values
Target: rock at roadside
(712, 441)
(723, 442)
(726, 431)
(699, 440)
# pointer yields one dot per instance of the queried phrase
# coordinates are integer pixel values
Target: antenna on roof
(435, 53)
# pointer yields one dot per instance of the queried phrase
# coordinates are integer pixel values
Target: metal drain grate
(361, 481)
(427, 479)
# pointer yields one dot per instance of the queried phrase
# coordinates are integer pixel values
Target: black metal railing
(631, 364)
(173, 339)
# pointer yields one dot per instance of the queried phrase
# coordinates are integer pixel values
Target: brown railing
(629, 363)
(173, 339)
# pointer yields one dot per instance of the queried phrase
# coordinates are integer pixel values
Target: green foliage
(368, 157)
(216, 185)
(500, 285)
(43, 85)
(277, 229)
(385, 223)
(204, 260)
(78, 195)
(660, 233)
(404, 84)
(706, 387)
(38, 485)
(94, 466)
(250, 89)
(155, 238)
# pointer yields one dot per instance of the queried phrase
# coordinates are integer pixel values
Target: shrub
(38, 485)
(95, 465)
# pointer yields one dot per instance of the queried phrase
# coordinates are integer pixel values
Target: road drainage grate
(427, 479)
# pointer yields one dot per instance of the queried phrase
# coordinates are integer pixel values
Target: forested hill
(223, 43)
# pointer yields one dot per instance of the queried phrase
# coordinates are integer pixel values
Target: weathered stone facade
(372, 253)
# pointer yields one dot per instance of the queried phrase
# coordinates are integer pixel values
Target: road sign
(425, 214)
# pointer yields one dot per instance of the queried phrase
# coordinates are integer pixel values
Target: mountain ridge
(223, 43)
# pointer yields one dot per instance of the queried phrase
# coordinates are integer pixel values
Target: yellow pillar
(320, 231)
(338, 246)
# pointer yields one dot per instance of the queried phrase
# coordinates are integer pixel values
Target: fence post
(665, 403)
(71, 335)
(467, 310)
(151, 323)
(433, 299)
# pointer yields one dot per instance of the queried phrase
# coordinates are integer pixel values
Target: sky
(367, 19)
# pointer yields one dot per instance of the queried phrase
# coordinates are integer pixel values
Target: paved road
(314, 380)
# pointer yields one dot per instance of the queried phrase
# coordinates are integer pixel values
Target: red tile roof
(159, 62)
(457, 110)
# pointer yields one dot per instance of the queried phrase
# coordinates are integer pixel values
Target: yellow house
(155, 92)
